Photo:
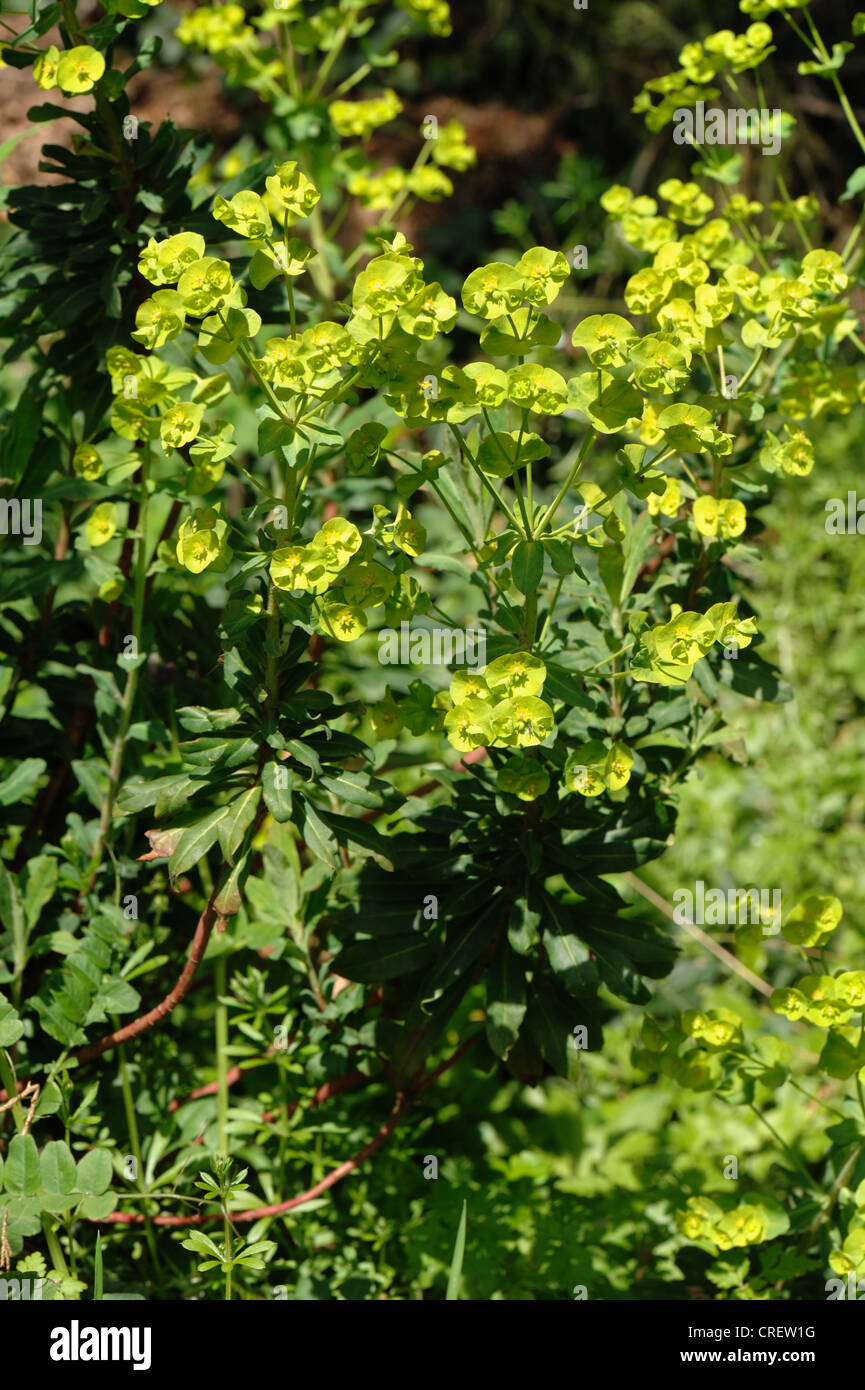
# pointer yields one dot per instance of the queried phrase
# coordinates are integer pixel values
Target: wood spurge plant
(377, 616)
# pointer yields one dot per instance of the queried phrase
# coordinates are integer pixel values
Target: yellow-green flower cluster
(688, 203)
(746, 1224)
(759, 9)
(75, 70)
(667, 654)
(339, 562)
(691, 428)
(500, 707)
(101, 524)
(434, 15)
(812, 921)
(218, 29)
(827, 1001)
(87, 463)
(452, 150)
(722, 518)
(497, 289)
(205, 289)
(592, 768)
(717, 1029)
(697, 1068)
(668, 502)
(358, 119)
(202, 542)
(378, 190)
(523, 777)
(851, 1256)
(812, 389)
(692, 312)
(390, 298)
(794, 453)
(290, 191)
(310, 363)
(701, 63)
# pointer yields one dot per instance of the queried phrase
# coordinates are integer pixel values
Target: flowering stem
(128, 702)
(781, 1142)
(566, 486)
(499, 501)
(823, 52)
(221, 1055)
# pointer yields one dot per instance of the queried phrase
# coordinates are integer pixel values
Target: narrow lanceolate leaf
(372, 961)
(506, 1000)
(456, 1269)
(362, 790)
(318, 838)
(22, 780)
(566, 953)
(195, 841)
(276, 784)
(551, 1019)
(348, 830)
(462, 950)
(199, 720)
(303, 754)
(219, 752)
(140, 792)
(241, 813)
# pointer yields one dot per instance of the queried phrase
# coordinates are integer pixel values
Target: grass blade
(456, 1269)
(97, 1270)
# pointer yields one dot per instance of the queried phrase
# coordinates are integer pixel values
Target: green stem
(57, 1258)
(221, 1055)
(129, 1107)
(567, 484)
(135, 1145)
(10, 1085)
(546, 627)
(782, 1143)
(499, 501)
(823, 53)
(386, 220)
(265, 385)
(758, 358)
(226, 1236)
(334, 52)
(115, 772)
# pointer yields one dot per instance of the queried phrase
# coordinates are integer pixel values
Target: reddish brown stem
(141, 1024)
(276, 1208)
(403, 1101)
